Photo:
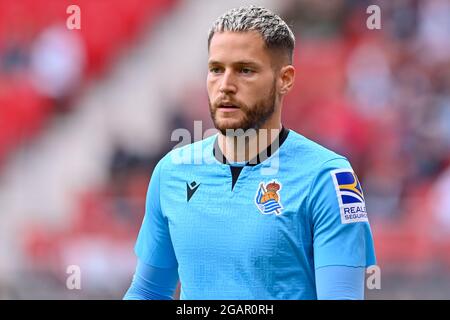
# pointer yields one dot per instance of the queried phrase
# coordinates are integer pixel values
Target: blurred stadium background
(86, 114)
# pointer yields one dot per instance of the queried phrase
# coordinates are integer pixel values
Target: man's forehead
(237, 38)
(238, 46)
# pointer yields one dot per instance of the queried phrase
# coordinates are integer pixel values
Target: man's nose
(228, 84)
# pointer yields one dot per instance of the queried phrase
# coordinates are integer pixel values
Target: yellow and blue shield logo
(267, 198)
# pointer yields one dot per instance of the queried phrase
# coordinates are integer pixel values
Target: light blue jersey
(262, 235)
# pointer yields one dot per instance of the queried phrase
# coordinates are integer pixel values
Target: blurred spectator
(440, 202)
(434, 29)
(369, 78)
(57, 61)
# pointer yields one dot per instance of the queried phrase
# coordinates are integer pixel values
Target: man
(258, 211)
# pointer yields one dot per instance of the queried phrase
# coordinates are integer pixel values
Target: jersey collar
(261, 156)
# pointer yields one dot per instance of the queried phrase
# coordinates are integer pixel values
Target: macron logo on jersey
(350, 196)
(190, 189)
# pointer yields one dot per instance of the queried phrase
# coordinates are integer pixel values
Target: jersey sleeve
(341, 230)
(340, 283)
(151, 283)
(154, 245)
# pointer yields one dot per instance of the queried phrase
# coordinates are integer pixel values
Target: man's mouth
(227, 107)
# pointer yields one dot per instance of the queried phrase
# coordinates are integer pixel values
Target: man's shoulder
(311, 153)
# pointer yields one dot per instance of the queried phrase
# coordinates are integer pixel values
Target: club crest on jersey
(268, 199)
(350, 196)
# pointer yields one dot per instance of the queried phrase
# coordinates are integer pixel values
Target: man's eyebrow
(239, 63)
(211, 62)
(245, 62)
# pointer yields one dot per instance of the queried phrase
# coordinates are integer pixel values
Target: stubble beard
(254, 117)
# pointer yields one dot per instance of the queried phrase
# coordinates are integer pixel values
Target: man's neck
(246, 147)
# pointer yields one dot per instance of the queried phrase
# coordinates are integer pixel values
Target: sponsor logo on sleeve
(350, 196)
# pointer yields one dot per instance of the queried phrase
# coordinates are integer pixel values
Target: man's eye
(246, 71)
(214, 70)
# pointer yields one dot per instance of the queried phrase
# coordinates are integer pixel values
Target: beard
(251, 117)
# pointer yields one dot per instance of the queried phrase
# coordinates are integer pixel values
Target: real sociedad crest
(268, 199)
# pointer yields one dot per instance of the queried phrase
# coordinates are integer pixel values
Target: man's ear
(286, 78)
